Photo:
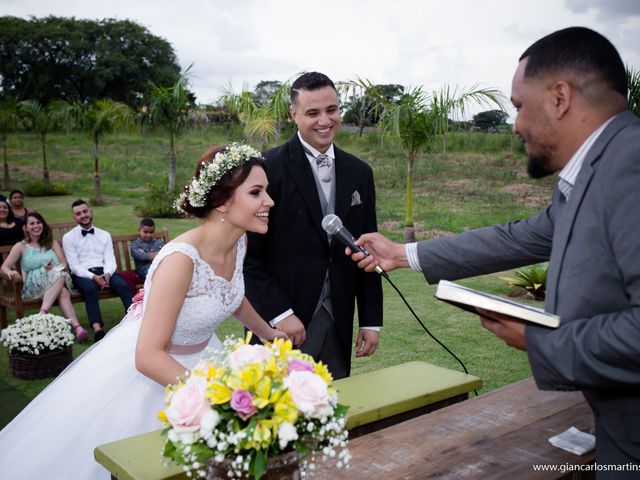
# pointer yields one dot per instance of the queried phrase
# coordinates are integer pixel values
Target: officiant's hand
(294, 329)
(384, 253)
(367, 342)
(505, 327)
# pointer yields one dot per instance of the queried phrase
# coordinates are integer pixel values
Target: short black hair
(147, 222)
(580, 50)
(15, 191)
(309, 81)
(78, 203)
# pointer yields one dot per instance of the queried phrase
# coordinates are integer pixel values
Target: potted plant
(254, 411)
(39, 346)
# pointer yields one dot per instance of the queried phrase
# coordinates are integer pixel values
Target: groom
(296, 277)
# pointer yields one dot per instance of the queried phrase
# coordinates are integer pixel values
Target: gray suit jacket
(592, 243)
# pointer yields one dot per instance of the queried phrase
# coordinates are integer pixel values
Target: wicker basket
(48, 364)
(285, 466)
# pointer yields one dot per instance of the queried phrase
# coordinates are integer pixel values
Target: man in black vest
(296, 277)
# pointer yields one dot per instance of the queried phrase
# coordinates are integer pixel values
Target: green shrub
(158, 202)
(533, 280)
(37, 188)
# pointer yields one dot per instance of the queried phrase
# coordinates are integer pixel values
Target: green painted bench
(376, 400)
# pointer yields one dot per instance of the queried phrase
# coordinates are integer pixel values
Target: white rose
(247, 354)
(309, 392)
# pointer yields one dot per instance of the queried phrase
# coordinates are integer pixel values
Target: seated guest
(43, 265)
(10, 228)
(145, 248)
(89, 251)
(16, 199)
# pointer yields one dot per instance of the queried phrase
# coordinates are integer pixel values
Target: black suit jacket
(285, 268)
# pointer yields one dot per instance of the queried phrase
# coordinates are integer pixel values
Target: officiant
(295, 276)
(570, 91)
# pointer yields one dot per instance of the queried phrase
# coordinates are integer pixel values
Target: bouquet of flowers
(248, 403)
(37, 334)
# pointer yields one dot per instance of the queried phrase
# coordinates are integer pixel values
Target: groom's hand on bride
(294, 329)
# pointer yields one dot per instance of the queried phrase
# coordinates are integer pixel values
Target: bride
(115, 389)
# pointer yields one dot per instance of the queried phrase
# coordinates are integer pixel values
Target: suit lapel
(563, 223)
(344, 183)
(302, 176)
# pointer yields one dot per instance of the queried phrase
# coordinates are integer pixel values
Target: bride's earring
(222, 218)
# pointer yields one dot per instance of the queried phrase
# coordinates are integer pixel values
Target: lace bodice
(210, 298)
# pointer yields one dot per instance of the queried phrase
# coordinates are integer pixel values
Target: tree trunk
(97, 190)
(172, 162)
(409, 231)
(444, 142)
(5, 159)
(45, 168)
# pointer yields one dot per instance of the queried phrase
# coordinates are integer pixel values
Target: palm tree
(419, 117)
(169, 108)
(633, 78)
(97, 119)
(8, 118)
(262, 121)
(40, 118)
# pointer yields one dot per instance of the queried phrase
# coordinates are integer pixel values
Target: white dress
(101, 397)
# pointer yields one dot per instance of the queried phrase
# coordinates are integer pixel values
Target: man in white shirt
(89, 252)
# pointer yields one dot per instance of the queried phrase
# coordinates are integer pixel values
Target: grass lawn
(480, 181)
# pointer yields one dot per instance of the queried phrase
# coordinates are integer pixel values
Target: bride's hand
(272, 334)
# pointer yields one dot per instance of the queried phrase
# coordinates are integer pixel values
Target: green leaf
(258, 464)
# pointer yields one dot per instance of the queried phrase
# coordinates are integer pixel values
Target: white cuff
(411, 249)
(280, 317)
(375, 329)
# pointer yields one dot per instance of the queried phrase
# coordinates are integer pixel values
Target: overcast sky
(411, 42)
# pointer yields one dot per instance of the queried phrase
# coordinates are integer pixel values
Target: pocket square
(355, 199)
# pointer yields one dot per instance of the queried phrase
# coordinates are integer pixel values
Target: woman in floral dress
(43, 267)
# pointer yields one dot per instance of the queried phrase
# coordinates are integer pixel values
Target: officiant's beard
(538, 166)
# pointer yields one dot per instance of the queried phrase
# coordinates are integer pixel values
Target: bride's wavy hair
(46, 237)
(224, 189)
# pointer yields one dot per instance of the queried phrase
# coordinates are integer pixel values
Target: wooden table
(499, 435)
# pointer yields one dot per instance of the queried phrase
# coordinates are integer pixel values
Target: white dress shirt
(89, 251)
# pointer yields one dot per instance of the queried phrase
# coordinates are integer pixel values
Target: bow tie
(87, 232)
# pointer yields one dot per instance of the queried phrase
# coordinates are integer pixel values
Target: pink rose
(242, 402)
(187, 406)
(247, 354)
(309, 393)
(296, 365)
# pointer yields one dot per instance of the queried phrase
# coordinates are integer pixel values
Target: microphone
(333, 226)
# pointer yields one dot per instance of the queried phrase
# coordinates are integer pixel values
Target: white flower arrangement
(210, 173)
(37, 334)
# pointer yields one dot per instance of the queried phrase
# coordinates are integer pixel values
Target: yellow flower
(214, 372)
(262, 393)
(282, 347)
(218, 393)
(285, 410)
(163, 417)
(322, 370)
(262, 433)
(251, 375)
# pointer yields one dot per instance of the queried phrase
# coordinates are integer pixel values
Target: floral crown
(211, 172)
